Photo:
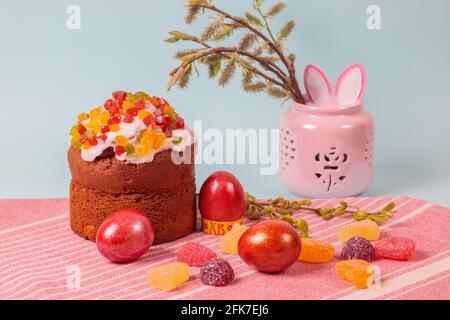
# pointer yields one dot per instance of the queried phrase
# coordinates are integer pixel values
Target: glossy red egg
(222, 198)
(270, 246)
(125, 236)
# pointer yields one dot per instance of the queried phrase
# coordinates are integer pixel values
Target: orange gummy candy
(168, 277)
(315, 251)
(355, 271)
(365, 229)
(229, 243)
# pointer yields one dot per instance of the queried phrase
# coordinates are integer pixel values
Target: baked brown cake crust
(162, 189)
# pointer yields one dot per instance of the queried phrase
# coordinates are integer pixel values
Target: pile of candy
(132, 124)
(214, 271)
(361, 246)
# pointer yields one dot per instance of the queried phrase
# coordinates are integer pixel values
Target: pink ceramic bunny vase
(327, 144)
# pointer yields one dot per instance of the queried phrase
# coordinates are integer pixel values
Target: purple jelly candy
(217, 272)
(358, 248)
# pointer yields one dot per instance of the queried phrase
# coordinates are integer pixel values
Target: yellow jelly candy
(229, 243)
(315, 251)
(365, 229)
(356, 271)
(168, 277)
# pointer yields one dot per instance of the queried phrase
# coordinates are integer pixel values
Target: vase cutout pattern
(332, 167)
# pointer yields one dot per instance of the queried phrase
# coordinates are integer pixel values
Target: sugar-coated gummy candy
(358, 248)
(168, 277)
(217, 272)
(229, 242)
(355, 271)
(395, 248)
(195, 254)
(315, 251)
(366, 229)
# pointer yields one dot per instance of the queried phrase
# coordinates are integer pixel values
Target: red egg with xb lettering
(221, 203)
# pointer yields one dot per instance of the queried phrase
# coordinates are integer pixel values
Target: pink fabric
(38, 254)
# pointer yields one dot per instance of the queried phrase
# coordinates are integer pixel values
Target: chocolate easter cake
(132, 153)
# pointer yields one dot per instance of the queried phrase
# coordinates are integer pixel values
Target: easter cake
(134, 152)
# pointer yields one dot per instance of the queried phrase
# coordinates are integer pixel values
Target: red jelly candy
(195, 254)
(395, 248)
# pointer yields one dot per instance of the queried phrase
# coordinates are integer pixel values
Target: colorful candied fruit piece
(217, 272)
(168, 277)
(159, 141)
(121, 141)
(195, 254)
(180, 123)
(155, 101)
(395, 248)
(130, 150)
(105, 129)
(315, 251)
(356, 272)
(83, 117)
(81, 129)
(358, 248)
(229, 242)
(93, 141)
(143, 114)
(128, 105)
(94, 126)
(120, 96)
(365, 229)
(119, 150)
(114, 128)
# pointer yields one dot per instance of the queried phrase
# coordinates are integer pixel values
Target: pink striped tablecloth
(40, 258)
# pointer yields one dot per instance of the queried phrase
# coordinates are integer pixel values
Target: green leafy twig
(282, 209)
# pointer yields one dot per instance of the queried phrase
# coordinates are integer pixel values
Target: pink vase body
(326, 151)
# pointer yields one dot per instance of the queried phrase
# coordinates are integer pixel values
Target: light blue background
(48, 74)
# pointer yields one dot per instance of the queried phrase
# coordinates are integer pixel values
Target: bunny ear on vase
(351, 86)
(318, 86)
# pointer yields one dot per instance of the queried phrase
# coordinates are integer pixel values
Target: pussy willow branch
(293, 83)
(222, 50)
(266, 23)
(267, 65)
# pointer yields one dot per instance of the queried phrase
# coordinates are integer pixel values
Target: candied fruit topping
(168, 277)
(229, 242)
(356, 271)
(395, 248)
(133, 125)
(315, 251)
(365, 229)
(217, 272)
(195, 254)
